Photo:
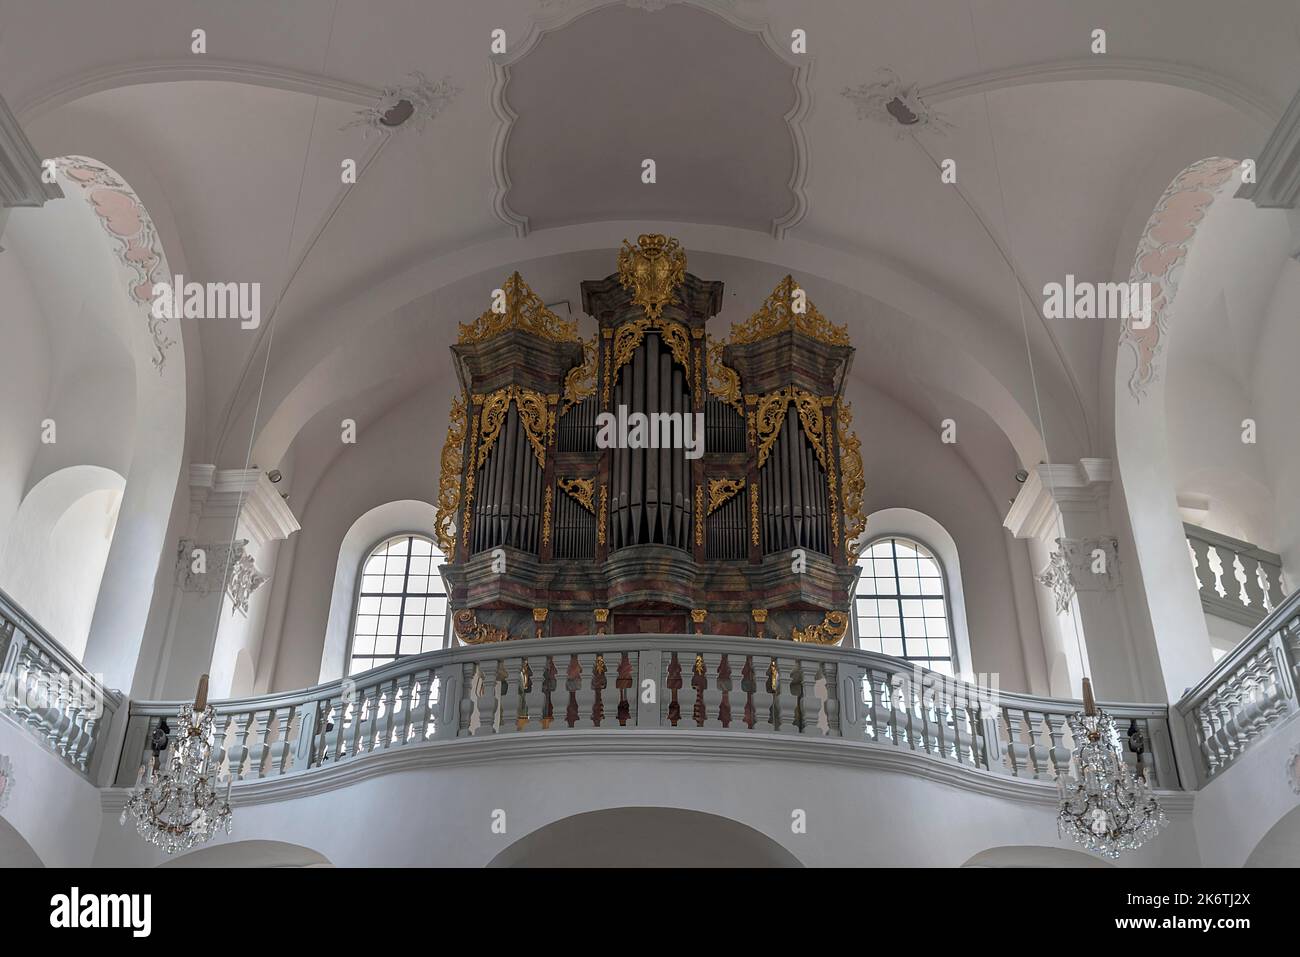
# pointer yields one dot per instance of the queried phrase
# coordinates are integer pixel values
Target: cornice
(20, 166)
(711, 746)
(1049, 488)
(1277, 168)
(263, 515)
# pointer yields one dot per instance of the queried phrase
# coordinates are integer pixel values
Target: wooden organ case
(557, 518)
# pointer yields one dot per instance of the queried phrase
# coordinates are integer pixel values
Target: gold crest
(652, 269)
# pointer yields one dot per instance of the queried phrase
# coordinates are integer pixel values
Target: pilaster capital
(1053, 490)
(222, 493)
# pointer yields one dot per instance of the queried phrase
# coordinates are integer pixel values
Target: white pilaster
(1063, 512)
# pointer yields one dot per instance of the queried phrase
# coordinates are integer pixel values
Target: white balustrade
(47, 692)
(1236, 580)
(1251, 690)
(595, 683)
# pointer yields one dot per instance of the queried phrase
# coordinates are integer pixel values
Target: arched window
(401, 607)
(902, 604)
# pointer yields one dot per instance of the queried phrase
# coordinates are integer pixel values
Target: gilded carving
(602, 517)
(471, 472)
(753, 513)
(699, 515)
(652, 269)
(546, 515)
(580, 383)
(582, 490)
(721, 489)
(855, 484)
(629, 335)
(770, 416)
(524, 310)
(829, 631)
(724, 382)
(779, 314)
(449, 479)
(532, 413)
(470, 631)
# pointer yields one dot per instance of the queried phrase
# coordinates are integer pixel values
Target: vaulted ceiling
(763, 166)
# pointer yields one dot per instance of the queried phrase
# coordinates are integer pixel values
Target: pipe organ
(650, 476)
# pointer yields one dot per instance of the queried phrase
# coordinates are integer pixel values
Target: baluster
(548, 686)
(1015, 748)
(1058, 753)
(820, 722)
(962, 736)
(536, 678)
(941, 735)
(699, 681)
(261, 733)
(796, 723)
(279, 752)
(748, 685)
(623, 682)
(674, 684)
(774, 689)
(525, 687)
(1037, 754)
(500, 688)
(598, 688)
(724, 687)
(487, 703)
(573, 681)
(405, 702)
(239, 751)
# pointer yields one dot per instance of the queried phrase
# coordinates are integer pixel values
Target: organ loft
(557, 516)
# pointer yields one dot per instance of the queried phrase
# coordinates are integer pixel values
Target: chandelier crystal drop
(1105, 806)
(174, 802)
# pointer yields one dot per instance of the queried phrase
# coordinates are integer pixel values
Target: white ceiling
(1060, 157)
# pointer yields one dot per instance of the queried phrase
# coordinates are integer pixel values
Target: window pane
(393, 616)
(914, 624)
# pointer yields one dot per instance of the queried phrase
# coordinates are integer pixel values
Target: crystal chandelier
(176, 806)
(1104, 805)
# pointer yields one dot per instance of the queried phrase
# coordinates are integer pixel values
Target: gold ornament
(532, 413)
(581, 490)
(771, 416)
(855, 484)
(546, 516)
(470, 631)
(603, 515)
(699, 515)
(524, 310)
(724, 382)
(580, 383)
(829, 631)
(778, 314)
(753, 515)
(721, 489)
(449, 478)
(652, 269)
(629, 335)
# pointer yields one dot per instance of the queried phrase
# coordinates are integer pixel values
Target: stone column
(1063, 512)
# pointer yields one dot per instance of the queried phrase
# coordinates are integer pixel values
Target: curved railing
(47, 692)
(1251, 690)
(622, 683)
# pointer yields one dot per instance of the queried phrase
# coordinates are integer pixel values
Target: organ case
(553, 512)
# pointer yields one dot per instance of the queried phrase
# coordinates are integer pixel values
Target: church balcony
(613, 688)
(1249, 694)
(1236, 580)
(46, 692)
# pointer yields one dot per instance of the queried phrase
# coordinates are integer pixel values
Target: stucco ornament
(1293, 769)
(226, 562)
(1058, 578)
(889, 101)
(6, 780)
(405, 107)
